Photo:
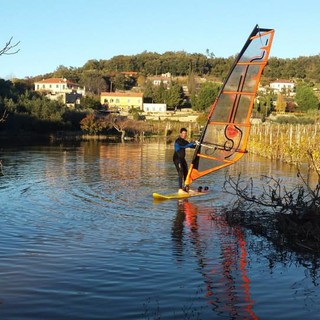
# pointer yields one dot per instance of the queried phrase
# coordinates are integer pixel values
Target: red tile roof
(282, 81)
(58, 80)
(53, 80)
(121, 94)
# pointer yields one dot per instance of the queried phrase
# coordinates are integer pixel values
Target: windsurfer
(179, 160)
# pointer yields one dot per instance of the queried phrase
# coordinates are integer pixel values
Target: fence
(286, 142)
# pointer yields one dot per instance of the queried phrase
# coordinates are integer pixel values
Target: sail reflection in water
(223, 268)
(81, 238)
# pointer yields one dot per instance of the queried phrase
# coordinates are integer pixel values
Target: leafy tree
(264, 104)
(93, 81)
(71, 73)
(281, 104)
(174, 96)
(206, 96)
(119, 81)
(148, 92)
(305, 97)
(90, 102)
(141, 81)
(192, 85)
(92, 124)
(92, 65)
(159, 93)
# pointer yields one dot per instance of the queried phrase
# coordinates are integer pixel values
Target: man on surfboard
(179, 155)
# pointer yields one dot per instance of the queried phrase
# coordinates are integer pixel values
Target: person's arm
(190, 145)
(178, 146)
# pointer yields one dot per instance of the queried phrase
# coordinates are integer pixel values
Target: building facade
(154, 107)
(121, 101)
(61, 89)
(58, 85)
(282, 86)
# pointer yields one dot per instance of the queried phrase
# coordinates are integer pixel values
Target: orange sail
(225, 136)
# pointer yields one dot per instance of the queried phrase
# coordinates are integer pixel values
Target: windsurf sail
(225, 136)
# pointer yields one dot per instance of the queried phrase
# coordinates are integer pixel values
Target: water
(81, 238)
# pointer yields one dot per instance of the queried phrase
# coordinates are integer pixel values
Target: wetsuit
(179, 160)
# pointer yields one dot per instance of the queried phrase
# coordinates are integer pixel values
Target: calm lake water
(82, 238)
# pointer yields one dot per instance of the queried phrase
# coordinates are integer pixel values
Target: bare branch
(8, 47)
(4, 116)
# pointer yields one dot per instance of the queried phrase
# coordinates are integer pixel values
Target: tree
(93, 81)
(192, 84)
(123, 82)
(159, 93)
(281, 104)
(91, 124)
(207, 94)
(173, 96)
(89, 102)
(148, 92)
(71, 73)
(124, 125)
(6, 50)
(141, 81)
(305, 98)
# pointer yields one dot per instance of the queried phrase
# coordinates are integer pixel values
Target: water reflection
(80, 231)
(224, 269)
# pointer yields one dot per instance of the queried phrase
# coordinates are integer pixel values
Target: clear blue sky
(71, 32)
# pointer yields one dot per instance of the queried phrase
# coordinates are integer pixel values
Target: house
(156, 81)
(72, 99)
(282, 86)
(58, 85)
(121, 101)
(154, 107)
(61, 89)
(165, 78)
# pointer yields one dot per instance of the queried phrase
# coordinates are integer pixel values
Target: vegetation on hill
(30, 110)
(97, 75)
(27, 110)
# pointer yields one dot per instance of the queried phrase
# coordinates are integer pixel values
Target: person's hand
(197, 143)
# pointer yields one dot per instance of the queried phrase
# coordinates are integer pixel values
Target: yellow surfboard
(177, 195)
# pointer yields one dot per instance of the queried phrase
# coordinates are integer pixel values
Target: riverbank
(288, 143)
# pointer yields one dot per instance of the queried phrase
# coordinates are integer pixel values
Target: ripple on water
(80, 234)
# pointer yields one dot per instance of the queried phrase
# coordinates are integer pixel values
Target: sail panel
(243, 75)
(255, 49)
(242, 112)
(225, 136)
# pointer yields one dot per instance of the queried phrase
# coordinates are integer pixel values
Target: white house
(58, 85)
(61, 89)
(154, 107)
(281, 85)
